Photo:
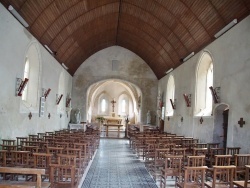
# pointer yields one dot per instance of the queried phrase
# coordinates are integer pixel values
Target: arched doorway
(221, 124)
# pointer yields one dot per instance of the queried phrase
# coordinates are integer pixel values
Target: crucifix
(241, 122)
(113, 104)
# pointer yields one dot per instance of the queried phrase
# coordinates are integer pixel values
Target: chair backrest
(196, 160)
(222, 160)
(194, 176)
(62, 175)
(232, 150)
(42, 160)
(241, 160)
(173, 165)
(247, 177)
(223, 175)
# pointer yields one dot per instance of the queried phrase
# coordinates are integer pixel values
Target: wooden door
(225, 127)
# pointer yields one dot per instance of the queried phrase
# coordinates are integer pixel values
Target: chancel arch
(124, 94)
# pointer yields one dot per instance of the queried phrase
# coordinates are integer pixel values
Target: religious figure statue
(148, 118)
(75, 116)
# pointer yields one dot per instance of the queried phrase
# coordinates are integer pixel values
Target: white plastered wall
(131, 68)
(231, 58)
(15, 41)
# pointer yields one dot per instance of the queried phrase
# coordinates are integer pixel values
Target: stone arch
(132, 91)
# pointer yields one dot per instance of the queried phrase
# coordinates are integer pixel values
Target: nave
(115, 166)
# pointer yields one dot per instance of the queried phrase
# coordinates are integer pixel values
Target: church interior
(139, 85)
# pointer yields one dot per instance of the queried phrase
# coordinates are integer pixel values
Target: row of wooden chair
(63, 154)
(167, 155)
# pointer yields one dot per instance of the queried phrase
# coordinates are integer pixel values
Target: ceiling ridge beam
(118, 22)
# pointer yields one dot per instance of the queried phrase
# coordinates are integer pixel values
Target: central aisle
(115, 166)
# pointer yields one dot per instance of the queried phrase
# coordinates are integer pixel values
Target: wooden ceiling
(162, 32)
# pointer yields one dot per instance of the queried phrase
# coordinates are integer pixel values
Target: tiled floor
(115, 166)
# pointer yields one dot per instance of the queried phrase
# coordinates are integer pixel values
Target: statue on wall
(75, 116)
(148, 118)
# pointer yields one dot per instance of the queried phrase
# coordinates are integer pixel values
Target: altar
(112, 120)
(112, 125)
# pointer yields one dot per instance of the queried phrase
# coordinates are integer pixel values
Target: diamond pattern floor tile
(115, 166)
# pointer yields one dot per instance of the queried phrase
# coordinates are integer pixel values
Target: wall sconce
(45, 93)
(170, 70)
(64, 66)
(49, 116)
(30, 116)
(49, 50)
(20, 85)
(173, 103)
(18, 16)
(68, 102)
(215, 93)
(201, 120)
(187, 99)
(58, 98)
(188, 57)
(226, 28)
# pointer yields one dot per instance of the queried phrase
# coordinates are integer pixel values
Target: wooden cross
(30, 115)
(201, 120)
(241, 122)
(113, 104)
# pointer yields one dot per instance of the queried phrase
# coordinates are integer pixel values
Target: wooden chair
(211, 156)
(232, 151)
(220, 160)
(240, 161)
(55, 151)
(70, 160)
(20, 159)
(3, 157)
(62, 176)
(194, 177)
(212, 145)
(159, 160)
(79, 158)
(246, 182)
(42, 161)
(223, 177)
(173, 165)
(19, 143)
(180, 151)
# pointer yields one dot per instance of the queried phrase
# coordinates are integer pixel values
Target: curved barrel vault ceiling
(161, 32)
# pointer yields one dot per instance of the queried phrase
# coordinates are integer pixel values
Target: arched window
(61, 91)
(204, 79)
(30, 96)
(123, 105)
(170, 95)
(26, 75)
(103, 104)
